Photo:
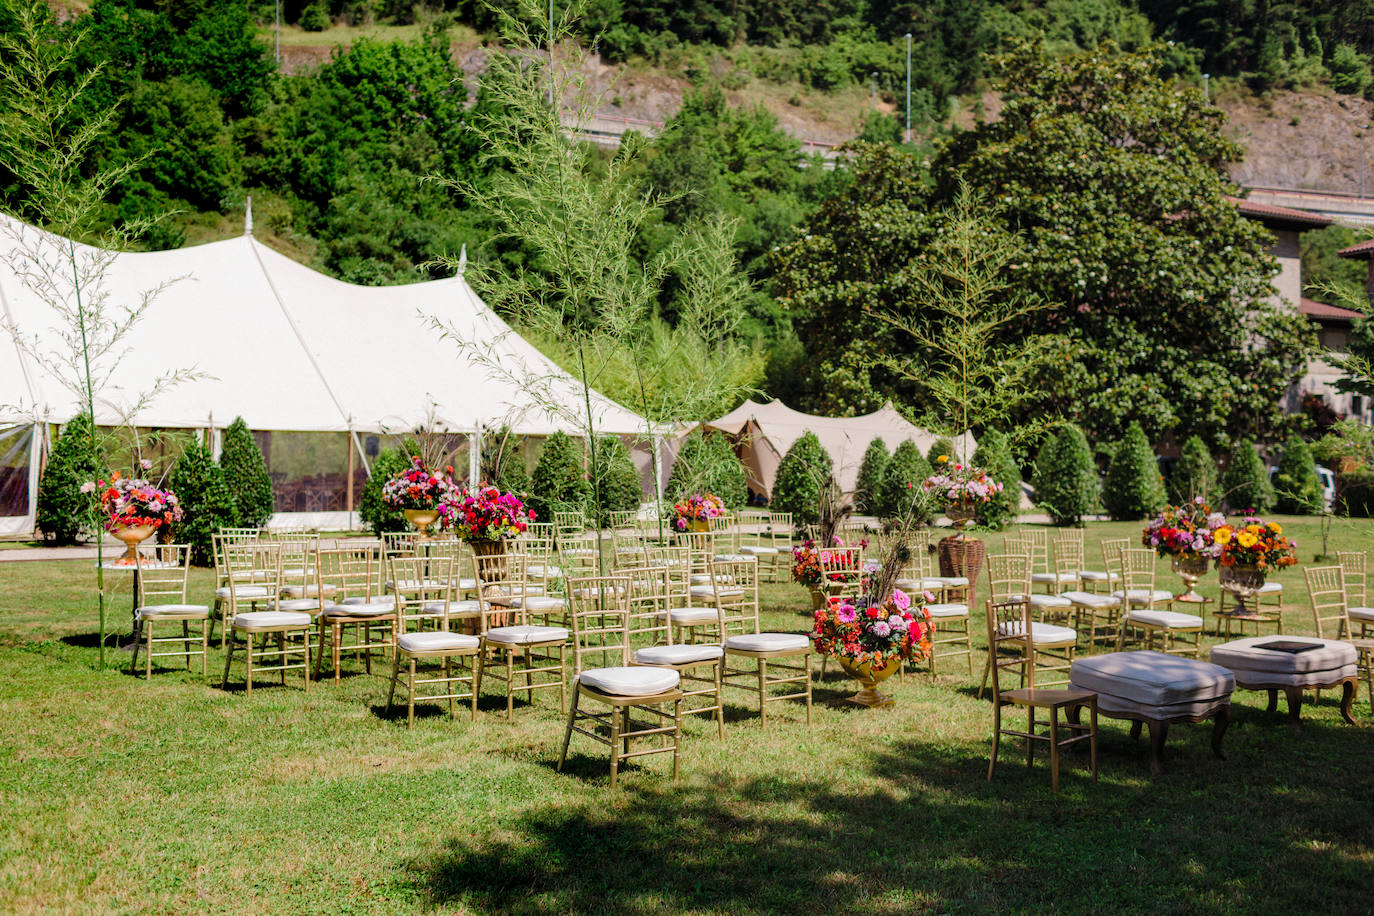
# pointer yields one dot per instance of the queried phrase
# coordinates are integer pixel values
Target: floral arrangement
(419, 488)
(962, 486)
(485, 514)
(1187, 532)
(1255, 543)
(809, 562)
(127, 502)
(698, 507)
(877, 634)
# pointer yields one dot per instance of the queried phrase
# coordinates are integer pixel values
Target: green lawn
(175, 796)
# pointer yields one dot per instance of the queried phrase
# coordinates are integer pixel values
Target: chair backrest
(579, 555)
(651, 598)
(1009, 622)
(253, 567)
(1138, 575)
(599, 608)
(400, 542)
(780, 529)
(349, 570)
(622, 518)
(569, 522)
(423, 585)
(1111, 554)
(1009, 576)
(1040, 548)
(503, 584)
(728, 534)
(1354, 562)
(1016, 545)
(541, 530)
(735, 591)
(1068, 556)
(701, 548)
(162, 579)
(1330, 602)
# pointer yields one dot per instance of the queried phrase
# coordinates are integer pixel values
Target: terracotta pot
(961, 555)
(132, 536)
(869, 680)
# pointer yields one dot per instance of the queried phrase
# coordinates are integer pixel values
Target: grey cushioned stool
(1331, 664)
(1155, 689)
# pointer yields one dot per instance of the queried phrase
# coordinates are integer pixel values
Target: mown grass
(122, 795)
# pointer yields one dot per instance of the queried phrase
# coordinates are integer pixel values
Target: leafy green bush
(901, 492)
(1195, 474)
(64, 512)
(1065, 478)
(1356, 497)
(314, 18)
(620, 490)
(707, 464)
(805, 468)
(1349, 70)
(245, 473)
(375, 514)
(869, 484)
(559, 483)
(1245, 485)
(941, 446)
(513, 477)
(994, 456)
(1296, 484)
(1135, 489)
(205, 501)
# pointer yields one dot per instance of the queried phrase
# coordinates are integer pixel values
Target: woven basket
(963, 556)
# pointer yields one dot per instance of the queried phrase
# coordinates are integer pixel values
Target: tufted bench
(1155, 689)
(1330, 664)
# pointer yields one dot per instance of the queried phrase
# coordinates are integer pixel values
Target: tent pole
(352, 467)
(474, 457)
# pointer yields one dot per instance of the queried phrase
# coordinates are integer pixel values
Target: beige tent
(763, 433)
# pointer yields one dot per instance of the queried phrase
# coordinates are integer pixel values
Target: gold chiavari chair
(502, 589)
(1008, 578)
(1327, 590)
(651, 598)
(290, 630)
(1010, 622)
(162, 599)
(348, 587)
(734, 587)
(440, 645)
(1140, 597)
(1066, 551)
(1354, 564)
(242, 585)
(569, 523)
(605, 677)
(1048, 608)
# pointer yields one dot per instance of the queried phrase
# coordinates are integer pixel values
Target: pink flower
(88, 487)
(845, 614)
(900, 599)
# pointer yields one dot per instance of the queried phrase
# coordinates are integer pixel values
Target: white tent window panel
(16, 449)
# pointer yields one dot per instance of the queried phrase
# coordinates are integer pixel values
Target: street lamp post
(906, 138)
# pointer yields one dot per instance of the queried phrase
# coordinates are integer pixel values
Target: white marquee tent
(315, 367)
(763, 433)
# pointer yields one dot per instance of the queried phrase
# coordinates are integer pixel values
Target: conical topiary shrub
(1065, 478)
(805, 468)
(690, 472)
(1195, 474)
(901, 493)
(1135, 488)
(245, 473)
(943, 446)
(206, 503)
(1296, 485)
(994, 456)
(559, 482)
(64, 513)
(870, 482)
(620, 490)
(725, 474)
(1245, 485)
(375, 514)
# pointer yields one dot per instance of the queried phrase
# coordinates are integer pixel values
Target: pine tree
(726, 475)
(869, 484)
(1065, 478)
(994, 456)
(620, 490)
(559, 482)
(375, 514)
(901, 493)
(205, 501)
(805, 468)
(245, 473)
(64, 513)
(1135, 488)
(1296, 483)
(1195, 474)
(1245, 485)
(942, 446)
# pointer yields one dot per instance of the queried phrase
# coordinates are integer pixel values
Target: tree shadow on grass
(920, 828)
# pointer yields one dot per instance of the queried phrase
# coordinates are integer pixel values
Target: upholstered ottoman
(1151, 688)
(1328, 664)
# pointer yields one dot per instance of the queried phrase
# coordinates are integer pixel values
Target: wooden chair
(1139, 598)
(651, 598)
(348, 587)
(690, 619)
(569, 523)
(405, 543)
(1009, 581)
(1354, 563)
(604, 676)
(841, 571)
(1326, 587)
(242, 584)
(290, 630)
(442, 645)
(502, 588)
(1066, 552)
(949, 618)
(1010, 622)
(734, 588)
(162, 599)
(1095, 614)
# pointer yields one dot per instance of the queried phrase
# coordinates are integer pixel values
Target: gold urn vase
(1190, 569)
(422, 519)
(132, 536)
(869, 680)
(1244, 582)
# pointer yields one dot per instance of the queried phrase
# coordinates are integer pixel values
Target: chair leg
(228, 656)
(395, 676)
(148, 629)
(677, 739)
(987, 668)
(510, 685)
(448, 683)
(567, 734)
(720, 700)
(763, 693)
(615, 747)
(185, 642)
(1092, 736)
(996, 737)
(807, 662)
(1054, 749)
(133, 663)
(476, 682)
(410, 696)
(205, 647)
(1030, 730)
(248, 648)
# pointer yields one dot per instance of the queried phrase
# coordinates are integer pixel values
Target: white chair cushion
(375, 601)
(708, 591)
(1097, 575)
(952, 581)
(270, 620)
(631, 681)
(1089, 600)
(754, 550)
(1053, 578)
(1141, 596)
(436, 642)
(1050, 602)
(463, 585)
(359, 611)
(1249, 654)
(309, 605)
(539, 603)
(769, 642)
(523, 635)
(684, 616)
(413, 585)
(734, 558)
(1271, 588)
(1042, 634)
(1361, 613)
(1152, 679)
(455, 608)
(1167, 619)
(595, 592)
(242, 591)
(182, 611)
(543, 571)
(678, 655)
(947, 610)
(309, 591)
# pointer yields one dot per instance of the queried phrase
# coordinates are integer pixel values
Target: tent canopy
(288, 348)
(764, 432)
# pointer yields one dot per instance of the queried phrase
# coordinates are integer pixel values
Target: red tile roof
(1314, 309)
(1363, 251)
(1282, 217)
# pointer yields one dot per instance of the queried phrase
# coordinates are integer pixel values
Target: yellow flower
(1222, 536)
(1246, 539)
(942, 459)
(1254, 529)
(1274, 527)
